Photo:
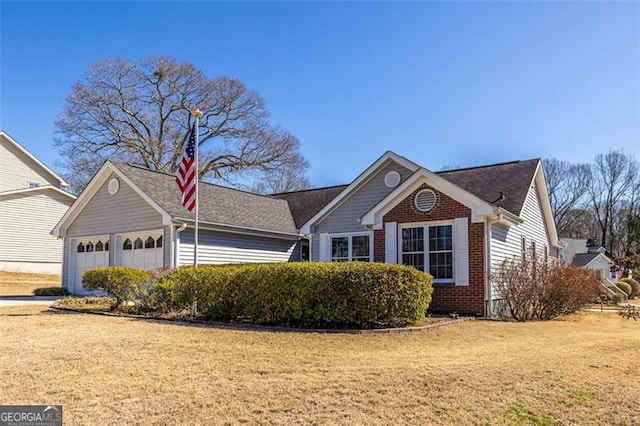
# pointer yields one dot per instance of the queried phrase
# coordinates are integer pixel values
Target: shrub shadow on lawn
(184, 321)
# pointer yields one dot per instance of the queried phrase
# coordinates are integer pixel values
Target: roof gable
(37, 163)
(357, 183)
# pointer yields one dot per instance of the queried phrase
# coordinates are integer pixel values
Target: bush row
(306, 294)
(631, 285)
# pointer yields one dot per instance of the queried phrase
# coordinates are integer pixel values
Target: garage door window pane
(106, 246)
(159, 242)
(149, 243)
(89, 247)
(137, 244)
(80, 248)
(126, 245)
(99, 246)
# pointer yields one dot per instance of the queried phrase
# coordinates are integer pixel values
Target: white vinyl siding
(506, 242)
(17, 169)
(26, 223)
(345, 217)
(221, 248)
(120, 213)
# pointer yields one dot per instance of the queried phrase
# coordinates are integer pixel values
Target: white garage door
(88, 253)
(141, 250)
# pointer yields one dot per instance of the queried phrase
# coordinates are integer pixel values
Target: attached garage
(86, 253)
(141, 250)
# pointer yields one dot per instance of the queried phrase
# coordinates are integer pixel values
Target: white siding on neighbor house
(26, 221)
(506, 242)
(17, 169)
(345, 217)
(220, 248)
(107, 214)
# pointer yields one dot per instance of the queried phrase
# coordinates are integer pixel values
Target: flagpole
(197, 113)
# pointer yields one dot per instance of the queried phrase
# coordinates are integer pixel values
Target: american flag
(186, 175)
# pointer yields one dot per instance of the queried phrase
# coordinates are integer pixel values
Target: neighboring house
(585, 254)
(454, 224)
(32, 201)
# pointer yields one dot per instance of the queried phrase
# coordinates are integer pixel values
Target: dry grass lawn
(23, 284)
(108, 370)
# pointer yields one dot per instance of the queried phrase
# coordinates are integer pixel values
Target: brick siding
(468, 299)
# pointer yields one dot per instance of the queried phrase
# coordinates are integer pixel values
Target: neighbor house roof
(39, 163)
(217, 204)
(512, 179)
(583, 259)
(304, 204)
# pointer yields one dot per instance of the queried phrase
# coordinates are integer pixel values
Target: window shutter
(461, 250)
(391, 242)
(325, 248)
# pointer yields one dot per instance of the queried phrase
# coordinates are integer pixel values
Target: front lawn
(114, 370)
(23, 284)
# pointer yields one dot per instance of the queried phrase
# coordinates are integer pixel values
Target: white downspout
(487, 260)
(176, 245)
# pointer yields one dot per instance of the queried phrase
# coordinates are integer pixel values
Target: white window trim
(350, 248)
(426, 247)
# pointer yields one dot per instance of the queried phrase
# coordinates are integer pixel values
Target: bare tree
(614, 179)
(140, 113)
(567, 185)
(285, 179)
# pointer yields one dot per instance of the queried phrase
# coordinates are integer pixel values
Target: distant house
(454, 224)
(32, 201)
(585, 254)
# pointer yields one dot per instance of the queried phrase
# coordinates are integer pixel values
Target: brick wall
(446, 297)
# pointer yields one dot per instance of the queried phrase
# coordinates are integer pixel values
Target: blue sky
(451, 84)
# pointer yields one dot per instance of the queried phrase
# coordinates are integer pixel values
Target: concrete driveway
(27, 300)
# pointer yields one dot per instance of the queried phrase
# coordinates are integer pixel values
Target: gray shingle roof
(304, 204)
(218, 204)
(487, 182)
(583, 259)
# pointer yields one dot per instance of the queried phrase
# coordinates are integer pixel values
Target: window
(137, 244)
(106, 246)
(149, 243)
(99, 246)
(159, 241)
(34, 184)
(350, 248)
(435, 255)
(80, 248)
(126, 245)
(89, 247)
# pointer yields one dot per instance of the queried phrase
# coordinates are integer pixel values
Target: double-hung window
(352, 247)
(429, 248)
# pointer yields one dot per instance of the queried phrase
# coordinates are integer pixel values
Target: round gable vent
(425, 200)
(392, 179)
(114, 186)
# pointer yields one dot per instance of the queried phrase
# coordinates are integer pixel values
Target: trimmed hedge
(120, 282)
(305, 294)
(51, 291)
(635, 287)
(625, 287)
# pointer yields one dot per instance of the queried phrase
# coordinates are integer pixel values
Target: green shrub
(305, 294)
(120, 282)
(625, 287)
(51, 291)
(617, 298)
(635, 287)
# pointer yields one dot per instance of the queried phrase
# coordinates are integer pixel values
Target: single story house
(32, 200)
(455, 224)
